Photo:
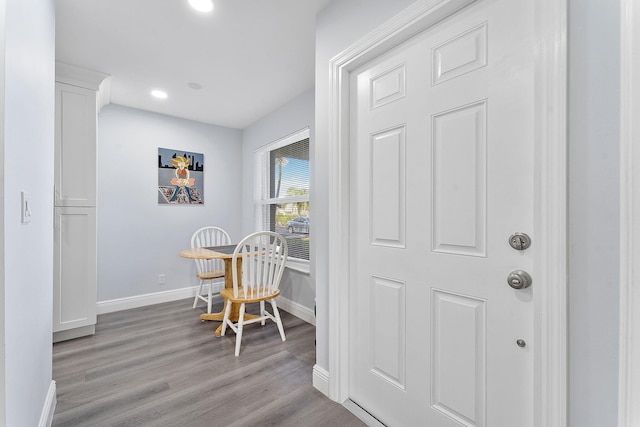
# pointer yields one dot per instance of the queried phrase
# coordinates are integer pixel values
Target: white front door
(442, 174)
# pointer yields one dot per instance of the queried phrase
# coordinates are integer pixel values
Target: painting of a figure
(180, 177)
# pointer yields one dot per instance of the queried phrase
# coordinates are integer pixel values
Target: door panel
(458, 327)
(388, 331)
(459, 189)
(388, 187)
(441, 176)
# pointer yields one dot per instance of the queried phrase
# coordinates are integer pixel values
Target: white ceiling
(250, 56)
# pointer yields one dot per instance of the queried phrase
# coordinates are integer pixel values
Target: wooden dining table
(225, 253)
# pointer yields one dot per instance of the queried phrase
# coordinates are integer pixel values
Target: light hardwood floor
(161, 366)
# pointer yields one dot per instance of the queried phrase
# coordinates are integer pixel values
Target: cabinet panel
(75, 281)
(75, 148)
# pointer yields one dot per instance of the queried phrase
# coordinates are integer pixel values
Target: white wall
(594, 70)
(339, 25)
(138, 239)
(291, 117)
(28, 248)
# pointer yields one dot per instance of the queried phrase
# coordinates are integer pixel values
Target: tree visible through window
(283, 202)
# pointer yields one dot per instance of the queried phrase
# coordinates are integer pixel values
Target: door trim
(629, 365)
(550, 305)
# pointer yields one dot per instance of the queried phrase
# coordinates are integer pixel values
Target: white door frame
(550, 305)
(629, 368)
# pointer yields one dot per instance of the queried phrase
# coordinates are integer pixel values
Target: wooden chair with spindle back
(263, 256)
(208, 269)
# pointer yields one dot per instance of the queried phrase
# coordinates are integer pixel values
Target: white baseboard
(119, 304)
(46, 416)
(298, 310)
(70, 334)
(127, 303)
(321, 379)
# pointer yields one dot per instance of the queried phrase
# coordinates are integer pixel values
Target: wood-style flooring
(161, 366)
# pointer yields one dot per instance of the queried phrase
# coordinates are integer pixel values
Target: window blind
(285, 197)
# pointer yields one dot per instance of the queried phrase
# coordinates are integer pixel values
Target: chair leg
(239, 326)
(225, 319)
(195, 301)
(209, 300)
(276, 313)
(262, 312)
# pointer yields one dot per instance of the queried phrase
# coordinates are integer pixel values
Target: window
(282, 194)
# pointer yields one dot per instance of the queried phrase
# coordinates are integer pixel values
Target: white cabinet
(74, 269)
(75, 263)
(75, 148)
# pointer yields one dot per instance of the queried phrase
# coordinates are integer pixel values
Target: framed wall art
(180, 177)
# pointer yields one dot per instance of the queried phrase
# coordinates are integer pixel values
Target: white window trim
(261, 192)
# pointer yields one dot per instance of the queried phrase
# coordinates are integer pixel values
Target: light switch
(26, 206)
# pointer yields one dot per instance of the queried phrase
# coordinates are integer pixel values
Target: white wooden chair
(263, 256)
(208, 269)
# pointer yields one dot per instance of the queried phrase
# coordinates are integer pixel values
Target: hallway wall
(594, 211)
(27, 165)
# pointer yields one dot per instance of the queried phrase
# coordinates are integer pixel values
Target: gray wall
(594, 58)
(138, 238)
(27, 142)
(130, 219)
(291, 117)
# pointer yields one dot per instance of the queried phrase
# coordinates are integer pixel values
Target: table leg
(235, 308)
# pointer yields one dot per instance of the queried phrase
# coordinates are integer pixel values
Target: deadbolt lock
(519, 279)
(519, 241)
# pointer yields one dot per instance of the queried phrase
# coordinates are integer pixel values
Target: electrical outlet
(161, 279)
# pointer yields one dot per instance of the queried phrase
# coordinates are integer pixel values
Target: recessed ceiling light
(202, 5)
(160, 94)
(194, 85)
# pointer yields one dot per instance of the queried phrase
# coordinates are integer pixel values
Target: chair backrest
(264, 255)
(205, 237)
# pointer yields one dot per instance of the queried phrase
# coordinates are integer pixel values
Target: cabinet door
(75, 267)
(75, 146)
